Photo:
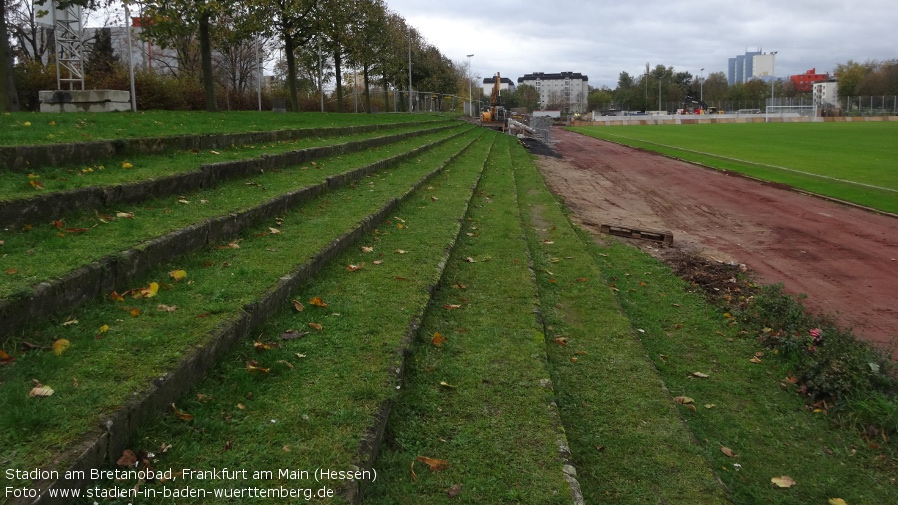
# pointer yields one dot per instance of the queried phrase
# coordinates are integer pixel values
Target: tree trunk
(206, 55)
(386, 92)
(9, 99)
(289, 47)
(339, 77)
(367, 90)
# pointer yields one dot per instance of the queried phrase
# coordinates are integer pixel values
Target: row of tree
(218, 43)
(661, 86)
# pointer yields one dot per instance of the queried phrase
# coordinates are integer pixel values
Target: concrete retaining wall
(711, 119)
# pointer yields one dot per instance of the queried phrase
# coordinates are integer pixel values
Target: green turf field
(850, 161)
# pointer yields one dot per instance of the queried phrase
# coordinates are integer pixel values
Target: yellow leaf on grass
(434, 464)
(317, 301)
(184, 416)
(147, 292)
(125, 164)
(60, 346)
(316, 326)
(782, 482)
(836, 501)
(366, 249)
(178, 274)
(253, 369)
(103, 329)
(438, 339)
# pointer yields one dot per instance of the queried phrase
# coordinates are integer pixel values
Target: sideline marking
(756, 163)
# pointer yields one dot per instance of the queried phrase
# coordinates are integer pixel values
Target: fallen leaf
(401, 251)
(438, 339)
(298, 306)
(116, 297)
(316, 326)
(286, 363)
(783, 482)
(259, 346)
(203, 398)
(836, 501)
(274, 231)
(125, 164)
(293, 334)
(128, 458)
(353, 268)
(41, 391)
(683, 400)
(12, 271)
(710, 405)
(60, 346)
(36, 184)
(755, 359)
(147, 292)
(317, 302)
(451, 306)
(76, 230)
(366, 249)
(560, 341)
(435, 465)
(253, 369)
(103, 329)
(166, 308)
(125, 215)
(377, 262)
(470, 259)
(459, 285)
(728, 452)
(446, 385)
(414, 475)
(700, 375)
(184, 416)
(178, 274)
(454, 491)
(241, 406)
(134, 312)
(6, 359)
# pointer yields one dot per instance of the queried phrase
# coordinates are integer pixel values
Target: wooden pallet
(665, 237)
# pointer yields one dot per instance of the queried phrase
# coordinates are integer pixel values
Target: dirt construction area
(845, 259)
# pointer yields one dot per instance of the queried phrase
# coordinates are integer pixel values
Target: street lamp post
(701, 85)
(772, 79)
(470, 88)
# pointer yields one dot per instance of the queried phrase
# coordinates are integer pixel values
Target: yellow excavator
(496, 116)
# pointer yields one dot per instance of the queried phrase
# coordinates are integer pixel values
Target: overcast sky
(600, 39)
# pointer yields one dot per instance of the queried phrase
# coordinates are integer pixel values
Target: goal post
(791, 110)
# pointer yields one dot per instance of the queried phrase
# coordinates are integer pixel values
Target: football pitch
(855, 162)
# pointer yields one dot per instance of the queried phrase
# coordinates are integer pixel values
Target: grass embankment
(478, 393)
(124, 169)
(103, 233)
(28, 128)
(848, 161)
(324, 391)
(118, 347)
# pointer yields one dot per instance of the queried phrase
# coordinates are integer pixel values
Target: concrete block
(91, 100)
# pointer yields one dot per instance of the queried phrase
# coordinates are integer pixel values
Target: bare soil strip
(845, 259)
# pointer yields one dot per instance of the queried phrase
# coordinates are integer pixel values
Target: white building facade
(566, 91)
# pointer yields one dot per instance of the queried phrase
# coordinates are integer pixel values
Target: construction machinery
(693, 105)
(496, 116)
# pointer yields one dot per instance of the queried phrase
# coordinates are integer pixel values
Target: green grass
(314, 412)
(848, 161)
(771, 430)
(629, 444)
(125, 169)
(27, 128)
(101, 370)
(492, 412)
(62, 252)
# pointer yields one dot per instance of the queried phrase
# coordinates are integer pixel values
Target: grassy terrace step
(325, 409)
(628, 442)
(480, 401)
(756, 414)
(119, 367)
(161, 230)
(25, 147)
(107, 183)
